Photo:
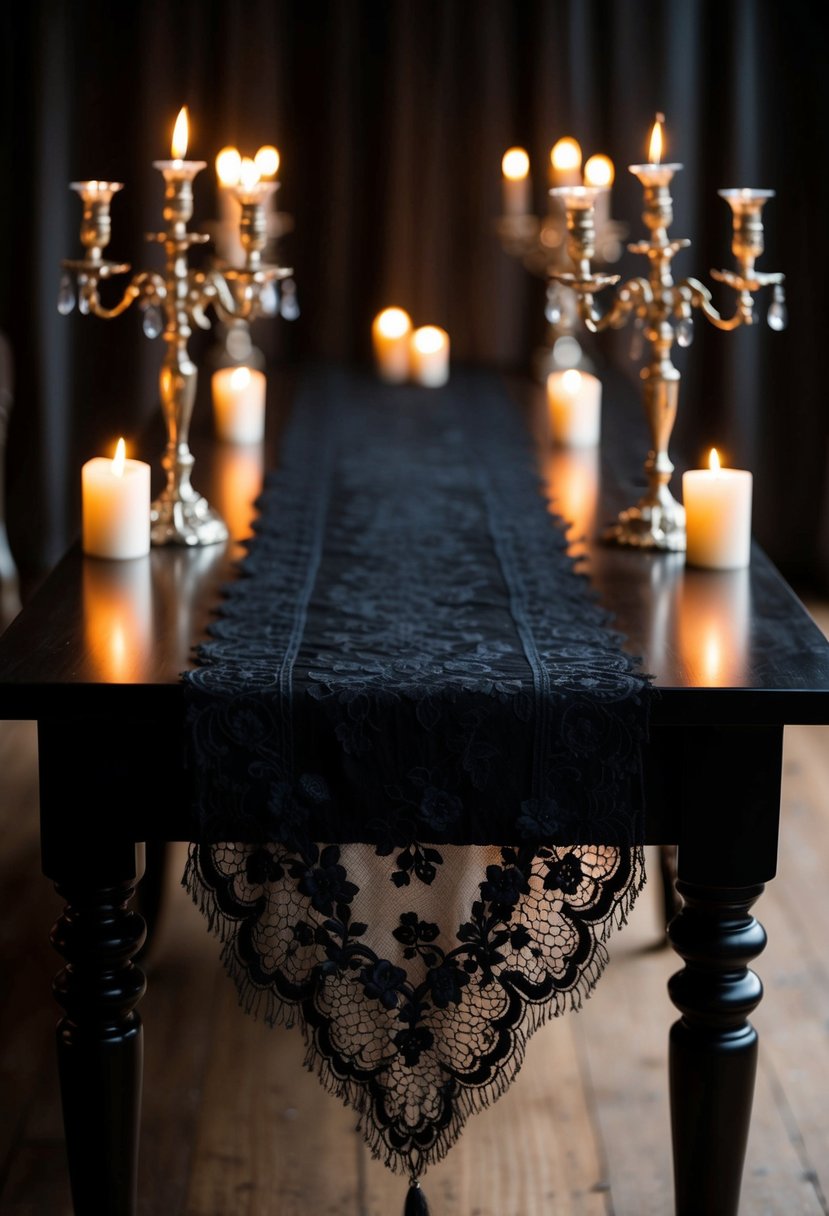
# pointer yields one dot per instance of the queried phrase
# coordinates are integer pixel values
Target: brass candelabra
(540, 242)
(664, 310)
(172, 301)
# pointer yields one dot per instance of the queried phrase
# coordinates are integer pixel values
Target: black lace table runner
(414, 742)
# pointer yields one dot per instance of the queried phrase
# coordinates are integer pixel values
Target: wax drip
(416, 1204)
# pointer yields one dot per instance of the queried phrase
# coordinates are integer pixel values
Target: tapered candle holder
(173, 301)
(663, 311)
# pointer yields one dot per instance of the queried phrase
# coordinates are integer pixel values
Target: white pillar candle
(430, 356)
(574, 399)
(717, 505)
(515, 169)
(239, 404)
(390, 334)
(115, 506)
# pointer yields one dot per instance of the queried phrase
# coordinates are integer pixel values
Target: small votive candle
(717, 505)
(239, 404)
(390, 334)
(574, 401)
(115, 506)
(430, 356)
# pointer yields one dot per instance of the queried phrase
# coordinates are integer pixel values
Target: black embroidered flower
(540, 819)
(412, 1042)
(327, 884)
(262, 866)
(503, 888)
(446, 983)
(313, 788)
(384, 982)
(564, 875)
(439, 809)
(414, 934)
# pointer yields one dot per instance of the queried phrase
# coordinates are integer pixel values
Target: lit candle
(717, 516)
(115, 506)
(390, 333)
(239, 404)
(228, 172)
(515, 167)
(574, 399)
(565, 163)
(599, 172)
(655, 173)
(430, 356)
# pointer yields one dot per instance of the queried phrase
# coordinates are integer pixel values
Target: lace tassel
(416, 1204)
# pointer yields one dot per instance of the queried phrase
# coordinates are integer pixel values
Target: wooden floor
(234, 1126)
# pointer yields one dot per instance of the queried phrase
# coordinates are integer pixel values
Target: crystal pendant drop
(83, 304)
(778, 314)
(685, 331)
(151, 322)
(290, 305)
(66, 296)
(269, 299)
(552, 308)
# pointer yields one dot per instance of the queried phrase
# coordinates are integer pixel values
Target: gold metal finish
(180, 515)
(664, 309)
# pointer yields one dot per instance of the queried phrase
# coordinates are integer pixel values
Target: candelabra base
(649, 525)
(186, 521)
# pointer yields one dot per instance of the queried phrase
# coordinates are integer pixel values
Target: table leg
(713, 1046)
(99, 1041)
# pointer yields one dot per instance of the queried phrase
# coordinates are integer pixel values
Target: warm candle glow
(427, 339)
(566, 154)
(599, 171)
(248, 173)
(229, 166)
(240, 378)
(515, 164)
(714, 461)
(181, 135)
(571, 380)
(119, 459)
(393, 323)
(267, 161)
(656, 146)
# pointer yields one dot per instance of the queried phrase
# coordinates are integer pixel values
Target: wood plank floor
(233, 1125)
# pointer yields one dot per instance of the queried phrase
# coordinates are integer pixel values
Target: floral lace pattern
(414, 744)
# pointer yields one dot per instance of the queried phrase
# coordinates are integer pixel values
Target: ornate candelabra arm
(148, 285)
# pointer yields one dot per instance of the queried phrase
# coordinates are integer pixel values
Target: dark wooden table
(95, 658)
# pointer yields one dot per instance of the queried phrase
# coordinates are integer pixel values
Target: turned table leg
(99, 1041)
(728, 783)
(713, 1046)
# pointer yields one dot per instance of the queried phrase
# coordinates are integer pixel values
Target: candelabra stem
(658, 520)
(180, 515)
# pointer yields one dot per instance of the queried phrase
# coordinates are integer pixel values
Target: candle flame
(267, 161)
(657, 144)
(428, 339)
(228, 166)
(714, 461)
(393, 322)
(599, 171)
(248, 174)
(566, 154)
(515, 164)
(181, 134)
(571, 381)
(119, 459)
(240, 378)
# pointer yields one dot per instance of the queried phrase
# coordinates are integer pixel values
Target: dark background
(391, 120)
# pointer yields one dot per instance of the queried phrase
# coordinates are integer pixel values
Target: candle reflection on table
(118, 616)
(240, 474)
(571, 477)
(712, 626)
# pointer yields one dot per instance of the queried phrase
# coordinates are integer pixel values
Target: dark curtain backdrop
(391, 119)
